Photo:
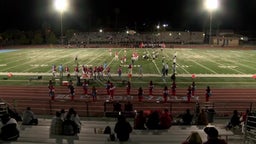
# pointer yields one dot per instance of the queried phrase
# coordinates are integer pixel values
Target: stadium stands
(92, 132)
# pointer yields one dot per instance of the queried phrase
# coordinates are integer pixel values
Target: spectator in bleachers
(122, 129)
(213, 136)
(117, 107)
(165, 120)
(193, 138)
(9, 130)
(56, 124)
(243, 118)
(69, 126)
(202, 118)
(140, 120)
(29, 118)
(153, 120)
(74, 117)
(62, 114)
(234, 121)
(244, 115)
(187, 118)
(128, 107)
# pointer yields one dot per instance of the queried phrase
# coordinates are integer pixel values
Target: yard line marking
(217, 63)
(27, 62)
(53, 59)
(205, 67)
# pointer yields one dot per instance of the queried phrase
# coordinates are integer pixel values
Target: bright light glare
(211, 4)
(61, 5)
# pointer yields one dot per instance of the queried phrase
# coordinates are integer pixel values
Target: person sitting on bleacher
(140, 120)
(122, 129)
(117, 107)
(153, 120)
(234, 121)
(9, 130)
(56, 124)
(74, 117)
(29, 117)
(128, 107)
(165, 120)
(193, 138)
(213, 136)
(202, 118)
(187, 118)
(69, 126)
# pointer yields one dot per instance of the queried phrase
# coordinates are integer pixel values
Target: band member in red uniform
(51, 90)
(208, 93)
(189, 93)
(165, 93)
(71, 90)
(112, 90)
(150, 88)
(85, 87)
(128, 88)
(173, 88)
(193, 88)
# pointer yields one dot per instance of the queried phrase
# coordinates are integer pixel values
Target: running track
(224, 100)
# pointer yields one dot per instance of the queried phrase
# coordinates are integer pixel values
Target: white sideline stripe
(152, 75)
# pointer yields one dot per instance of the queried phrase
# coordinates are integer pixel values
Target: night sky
(90, 15)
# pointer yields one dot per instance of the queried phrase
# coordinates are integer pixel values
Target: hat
(211, 131)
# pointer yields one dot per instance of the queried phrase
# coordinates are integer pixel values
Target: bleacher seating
(92, 133)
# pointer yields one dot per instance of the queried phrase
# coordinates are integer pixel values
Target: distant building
(226, 39)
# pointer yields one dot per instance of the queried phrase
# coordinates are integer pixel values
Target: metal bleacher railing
(88, 108)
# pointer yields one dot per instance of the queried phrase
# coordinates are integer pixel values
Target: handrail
(88, 107)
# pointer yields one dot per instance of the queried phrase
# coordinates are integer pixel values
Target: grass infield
(217, 67)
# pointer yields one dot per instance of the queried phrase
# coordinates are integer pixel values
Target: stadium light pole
(211, 5)
(61, 6)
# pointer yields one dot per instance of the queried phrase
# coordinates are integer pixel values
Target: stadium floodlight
(61, 6)
(211, 5)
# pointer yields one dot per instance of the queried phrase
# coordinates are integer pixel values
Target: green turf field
(215, 67)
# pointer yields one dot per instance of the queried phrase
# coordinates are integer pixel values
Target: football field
(217, 67)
